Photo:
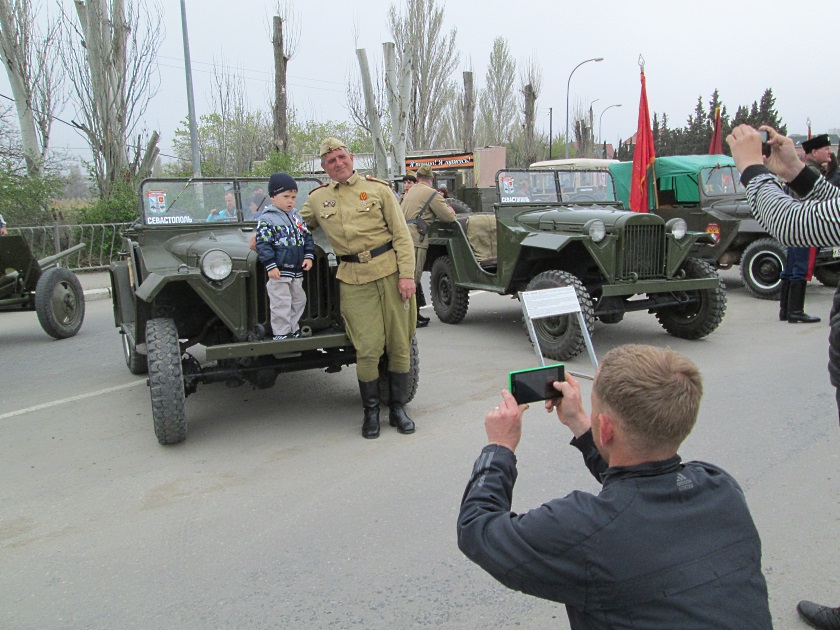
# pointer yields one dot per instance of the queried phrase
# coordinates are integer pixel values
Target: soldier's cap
(425, 171)
(410, 177)
(817, 142)
(330, 144)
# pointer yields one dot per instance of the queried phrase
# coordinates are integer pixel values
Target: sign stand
(549, 303)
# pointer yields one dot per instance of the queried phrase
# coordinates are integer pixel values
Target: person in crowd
(421, 205)
(286, 249)
(796, 272)
(3, 230)
(811, 218)
(228, 213)
(664, 544)
(368, 233)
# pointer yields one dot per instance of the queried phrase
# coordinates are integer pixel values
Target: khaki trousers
(378, 321)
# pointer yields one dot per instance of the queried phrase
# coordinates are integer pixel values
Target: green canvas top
(674, 172)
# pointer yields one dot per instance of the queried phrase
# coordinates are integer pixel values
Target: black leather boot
(422, 322)
(796, 305)
(398, 389)
(818, 616)
(370, 401)
(783, 301)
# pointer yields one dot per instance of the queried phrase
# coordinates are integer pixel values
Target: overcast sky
(689, 48)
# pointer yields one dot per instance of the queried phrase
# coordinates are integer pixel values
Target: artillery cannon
(29, 284)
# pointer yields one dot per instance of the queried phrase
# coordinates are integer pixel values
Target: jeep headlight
(596, 230)
(216, 264)
(677, 227)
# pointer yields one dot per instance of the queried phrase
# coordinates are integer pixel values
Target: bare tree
(399, 95)
(285, 38)
(29, 55)
(497, 113)
(380, 155)
(234, 136)
(419, 32)
(583, 131)
(109, 56)
(531, 85)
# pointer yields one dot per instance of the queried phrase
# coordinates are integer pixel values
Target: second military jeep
(190, 299)
(555, 228)
(706, 191)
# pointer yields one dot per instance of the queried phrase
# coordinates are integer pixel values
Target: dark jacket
(283, 241)
(664, 544)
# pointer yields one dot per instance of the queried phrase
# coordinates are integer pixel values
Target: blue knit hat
(281, 182)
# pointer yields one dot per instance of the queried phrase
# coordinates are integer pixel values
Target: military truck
(190, 301)
(555, 228)
(706, 191)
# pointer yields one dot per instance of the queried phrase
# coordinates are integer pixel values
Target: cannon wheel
(60, 302)
(166, 381)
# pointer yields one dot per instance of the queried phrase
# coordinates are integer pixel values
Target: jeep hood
(572, 220)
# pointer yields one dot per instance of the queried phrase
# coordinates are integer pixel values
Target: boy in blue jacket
(286, 248)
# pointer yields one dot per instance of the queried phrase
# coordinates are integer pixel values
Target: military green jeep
(190, 299)
(556, 228)
(706, 191)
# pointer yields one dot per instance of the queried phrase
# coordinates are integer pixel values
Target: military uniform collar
(350, 181)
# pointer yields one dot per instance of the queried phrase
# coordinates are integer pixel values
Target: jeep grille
(643, 252)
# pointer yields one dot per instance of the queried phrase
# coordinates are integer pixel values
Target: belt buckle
(364, 257)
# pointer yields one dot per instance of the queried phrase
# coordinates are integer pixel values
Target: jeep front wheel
(761, 267)
(560, 337)
(166, 381)
(449, 300)
(702, 310)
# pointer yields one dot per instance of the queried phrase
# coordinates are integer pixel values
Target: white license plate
(835, 252)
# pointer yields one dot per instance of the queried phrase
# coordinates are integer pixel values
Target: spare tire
(458, 206)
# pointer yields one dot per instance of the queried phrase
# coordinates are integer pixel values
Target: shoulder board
(318, 188)
(371, 178)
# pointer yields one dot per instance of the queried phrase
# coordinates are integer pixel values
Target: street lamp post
(601, 119)
(568, 83)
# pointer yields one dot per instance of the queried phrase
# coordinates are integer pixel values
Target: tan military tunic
(414, 199)
(359, 216)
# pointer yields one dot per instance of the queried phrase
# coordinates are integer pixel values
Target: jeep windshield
(179, 201)
(721, 180)
(555, 186)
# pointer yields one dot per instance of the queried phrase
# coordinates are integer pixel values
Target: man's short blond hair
(653, 393)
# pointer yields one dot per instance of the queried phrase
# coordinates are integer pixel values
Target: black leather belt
(364, 257)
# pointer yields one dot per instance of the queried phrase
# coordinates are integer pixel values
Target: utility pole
(196, 158)
(550, 121)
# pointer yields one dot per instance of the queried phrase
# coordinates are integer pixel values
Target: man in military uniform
(422, 204)
(363, 222)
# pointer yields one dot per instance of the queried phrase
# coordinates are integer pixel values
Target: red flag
(716, 145)
(643, 156)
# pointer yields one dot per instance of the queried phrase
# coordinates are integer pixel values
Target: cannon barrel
(50, 260)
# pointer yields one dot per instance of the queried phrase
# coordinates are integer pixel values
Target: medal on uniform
(363, 196)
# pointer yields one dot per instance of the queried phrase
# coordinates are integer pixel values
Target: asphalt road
(276, 513)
